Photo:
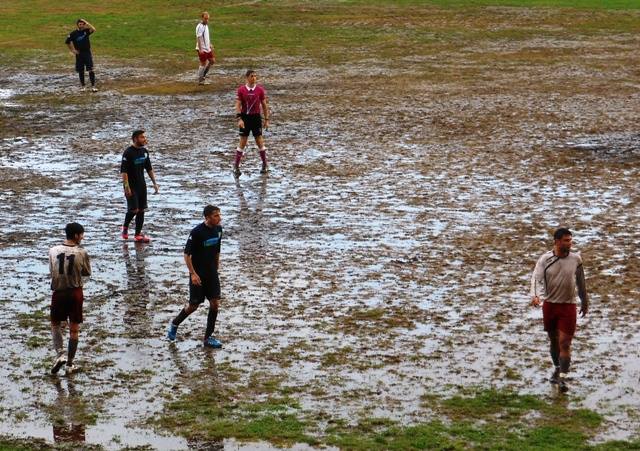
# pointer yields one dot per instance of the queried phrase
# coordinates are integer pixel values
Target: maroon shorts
(560, 317)
(67, 304)
(205, 56)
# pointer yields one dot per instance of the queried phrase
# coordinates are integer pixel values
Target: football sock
(238, 157)
(92, 78)
(127, 219)
(263, 156)
(181, 317)
(200, 72)
(211, 322)
(206, 70)
(71, 350)
(139, 222)
(554, 350)
(56, 334)
(564, 364)
(81, 75)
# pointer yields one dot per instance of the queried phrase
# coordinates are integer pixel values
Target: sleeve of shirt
(124, 166)
(199, 31)
(188, 248)
(86, 265)
(537, 279)
(263, 94)
(581, 282)
(68, 40)
(147, 162)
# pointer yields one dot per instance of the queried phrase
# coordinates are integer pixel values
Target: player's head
(563, 238)
(205, 17)
(251, 75)
(138, 138)
(211, 214)
(80, 23)
(74, 231)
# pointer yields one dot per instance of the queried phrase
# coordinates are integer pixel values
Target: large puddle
(404, 239)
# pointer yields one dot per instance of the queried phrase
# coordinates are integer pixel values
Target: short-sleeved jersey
(80, 39)
(554, 278)
(134, 162)
(203, 245)
(67, 265)
(202, 31)
(250, 98)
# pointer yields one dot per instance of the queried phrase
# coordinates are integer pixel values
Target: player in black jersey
(202, 257)
(79, 45)
(135, 160)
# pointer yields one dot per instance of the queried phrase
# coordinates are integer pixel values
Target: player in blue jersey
(202, 257)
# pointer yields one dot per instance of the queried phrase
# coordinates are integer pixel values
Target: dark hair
(72, 229)
(209, 209)
(561, 232)
(80, 20)
(249, 72)
(136, 133)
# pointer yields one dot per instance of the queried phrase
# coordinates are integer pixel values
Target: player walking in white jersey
(556, 278)
(206, 53)
(68, 263)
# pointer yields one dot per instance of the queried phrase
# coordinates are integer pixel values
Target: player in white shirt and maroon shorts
(556, 278)
(206, 54)
(68, 263)
(251, 98)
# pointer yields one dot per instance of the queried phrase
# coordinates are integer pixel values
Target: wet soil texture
(385, 256)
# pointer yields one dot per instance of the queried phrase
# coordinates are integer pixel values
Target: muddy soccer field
(376, 282)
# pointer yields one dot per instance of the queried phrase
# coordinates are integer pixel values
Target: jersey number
(60, 259)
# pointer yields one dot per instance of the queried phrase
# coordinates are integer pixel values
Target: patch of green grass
(331, 31)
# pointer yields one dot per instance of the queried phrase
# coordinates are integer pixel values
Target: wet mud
(385, 257)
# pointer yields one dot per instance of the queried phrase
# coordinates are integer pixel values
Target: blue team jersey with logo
(203, 245)
(135, 160)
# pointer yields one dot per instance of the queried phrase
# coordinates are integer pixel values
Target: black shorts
(84, 59)
(67, 304)
(209, 289)
(253, 124)
(137, 200)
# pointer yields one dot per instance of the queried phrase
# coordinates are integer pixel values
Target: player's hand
(266, 124)
(156, 188)
(127, 192)
(536, 301)
(195, 279)
(240, 123)
(584, 309)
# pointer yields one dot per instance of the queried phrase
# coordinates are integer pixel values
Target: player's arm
(86, 266)
(152, 176)
(200, 38)
(239, 113)
(125, 184)
(195, 278)
(537, 284)
(92, 29)
(582, 291)
(265, 110)
(72, 49)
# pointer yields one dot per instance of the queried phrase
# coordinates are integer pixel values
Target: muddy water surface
(390, 246)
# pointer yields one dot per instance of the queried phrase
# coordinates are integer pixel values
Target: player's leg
(196, 297)
(75, 319)
(92, 76)
(244, 138)
(208, 65)
(554, 350)
(132, 210)
(58, 314)
(80, 70)
(566, 329)
(263, 151)
(550, 321)
(213, 294)
(142, 205)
